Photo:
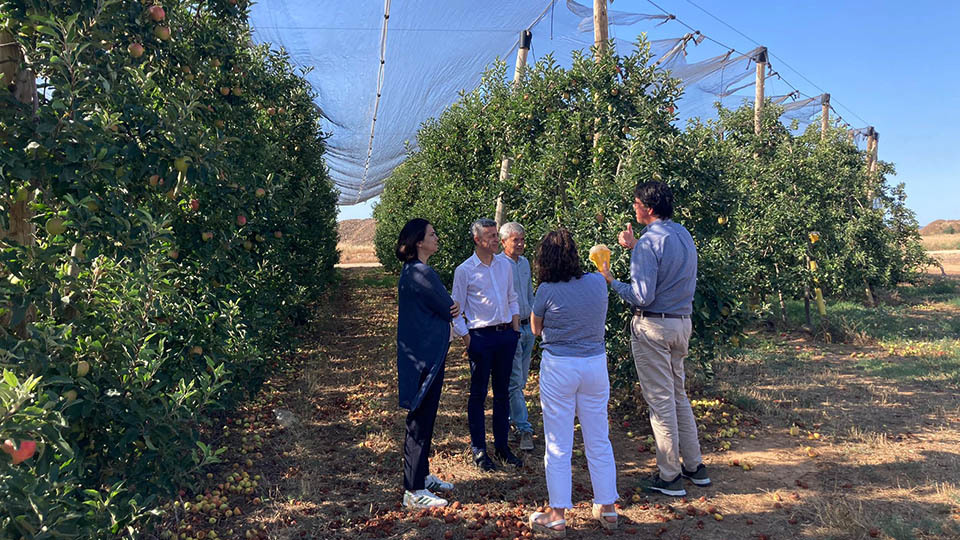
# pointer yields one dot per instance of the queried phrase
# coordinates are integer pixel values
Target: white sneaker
(422, 499)
(433, 483)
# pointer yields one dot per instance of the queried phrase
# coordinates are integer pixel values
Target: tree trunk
(22, 83)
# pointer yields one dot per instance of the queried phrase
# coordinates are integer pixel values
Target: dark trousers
(491, 358)
(416, 445)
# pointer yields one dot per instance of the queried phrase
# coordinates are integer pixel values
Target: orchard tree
(581, 139)
(174, 178)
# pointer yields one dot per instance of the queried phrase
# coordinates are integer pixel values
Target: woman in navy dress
(423, 338)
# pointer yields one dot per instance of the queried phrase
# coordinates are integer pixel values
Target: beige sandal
(601, 516)
(547, 528)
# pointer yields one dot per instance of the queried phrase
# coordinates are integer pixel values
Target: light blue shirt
(574, 315)
(663, 270)
(522, 283)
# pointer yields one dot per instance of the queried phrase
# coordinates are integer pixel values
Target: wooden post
(600, 36)
(600, 27)
(507, 162)
(761, 60)
(876, 153)
(824, 116)
(522, 52)
(23, 84)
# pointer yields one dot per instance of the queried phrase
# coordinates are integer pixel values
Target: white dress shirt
(485, 294)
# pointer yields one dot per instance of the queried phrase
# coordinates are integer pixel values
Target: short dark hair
(557, 258)
(414, 231)
(657, 196)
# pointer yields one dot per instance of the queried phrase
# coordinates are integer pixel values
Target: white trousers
(576, 387)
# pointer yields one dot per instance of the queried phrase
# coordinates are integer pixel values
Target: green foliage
(582, 138)
(182, 216)
(559, 177)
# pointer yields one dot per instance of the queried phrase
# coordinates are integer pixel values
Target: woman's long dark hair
(557, 258)
(414, 231)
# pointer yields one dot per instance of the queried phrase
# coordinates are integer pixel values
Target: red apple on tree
(277, 234)
(135, 50)
(162, 33)
(156, 13)
(241, 220)
(19, 455)
(194, 204)
(260, 192)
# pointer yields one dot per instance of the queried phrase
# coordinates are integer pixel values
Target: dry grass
(950, 261)
(939, 242)
(353, 253)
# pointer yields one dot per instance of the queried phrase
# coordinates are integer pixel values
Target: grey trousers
(659, 347)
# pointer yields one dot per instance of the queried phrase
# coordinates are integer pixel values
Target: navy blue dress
(423, 330)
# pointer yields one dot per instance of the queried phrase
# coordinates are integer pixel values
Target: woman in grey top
(569, 312)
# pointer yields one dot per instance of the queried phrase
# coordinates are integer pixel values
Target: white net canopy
(380, 69)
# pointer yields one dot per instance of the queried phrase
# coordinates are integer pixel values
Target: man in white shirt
(490, 328)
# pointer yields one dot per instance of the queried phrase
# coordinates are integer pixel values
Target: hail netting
(380, 69)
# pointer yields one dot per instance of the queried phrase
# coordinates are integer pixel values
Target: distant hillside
(356, 241)
(942, 226)
(357, 232)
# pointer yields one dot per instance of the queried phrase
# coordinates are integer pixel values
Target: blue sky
(892, 65)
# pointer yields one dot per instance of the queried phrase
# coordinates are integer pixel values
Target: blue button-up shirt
(522, 283)
(663, 270)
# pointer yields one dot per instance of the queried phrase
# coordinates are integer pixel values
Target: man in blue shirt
(513, 238)
(663, 278)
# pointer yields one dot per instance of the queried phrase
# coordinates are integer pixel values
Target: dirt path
(868, 456)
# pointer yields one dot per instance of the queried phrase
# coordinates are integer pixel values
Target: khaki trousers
(659, 347)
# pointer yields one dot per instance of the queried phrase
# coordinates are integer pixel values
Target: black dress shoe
(506, 456)
(484, 462)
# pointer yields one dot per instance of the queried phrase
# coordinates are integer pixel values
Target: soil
(950, 259)
(833, 451)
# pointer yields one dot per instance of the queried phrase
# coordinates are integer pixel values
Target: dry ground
(356, 241)
(950, 259)
(357, 254)
(844, 442)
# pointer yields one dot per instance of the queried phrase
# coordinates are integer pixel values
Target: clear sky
(889, 64)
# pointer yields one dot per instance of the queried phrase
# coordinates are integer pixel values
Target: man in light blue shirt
(512, 237)
(663, 278)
